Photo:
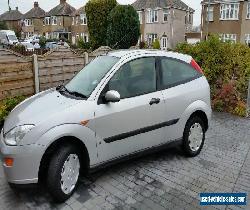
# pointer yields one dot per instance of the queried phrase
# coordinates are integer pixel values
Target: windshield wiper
(62, 88)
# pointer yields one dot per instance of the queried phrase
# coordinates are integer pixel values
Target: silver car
(121, 105)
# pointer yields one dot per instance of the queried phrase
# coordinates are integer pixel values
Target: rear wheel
(193, 136)
(63, 172)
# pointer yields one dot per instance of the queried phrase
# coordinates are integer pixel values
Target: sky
(26, 5)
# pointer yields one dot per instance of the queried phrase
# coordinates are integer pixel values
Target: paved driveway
(166, 180)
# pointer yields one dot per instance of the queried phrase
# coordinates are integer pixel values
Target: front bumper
(26, 162)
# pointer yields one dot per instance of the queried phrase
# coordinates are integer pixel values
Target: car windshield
(12, 37)
(90, 76)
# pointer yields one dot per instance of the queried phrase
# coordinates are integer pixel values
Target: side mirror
(112, 96)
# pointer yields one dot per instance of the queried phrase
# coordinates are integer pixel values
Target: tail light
(196, 66)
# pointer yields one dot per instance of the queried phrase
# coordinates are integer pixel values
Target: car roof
(135, 53)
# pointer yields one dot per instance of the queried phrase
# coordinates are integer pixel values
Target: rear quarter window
(175, 72)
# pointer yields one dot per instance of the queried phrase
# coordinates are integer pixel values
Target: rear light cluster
(196, 66)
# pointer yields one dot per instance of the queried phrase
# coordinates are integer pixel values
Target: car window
(135, 78)
(175, 72)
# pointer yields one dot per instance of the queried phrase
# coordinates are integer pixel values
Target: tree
(3, 25)
(124, 27)
(97, 12)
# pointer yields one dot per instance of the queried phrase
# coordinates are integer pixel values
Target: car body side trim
(140, 131)
(137, 154)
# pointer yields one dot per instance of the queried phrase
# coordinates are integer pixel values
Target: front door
(134, 123)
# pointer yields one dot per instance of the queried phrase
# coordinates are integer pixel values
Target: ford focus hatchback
(120, 105)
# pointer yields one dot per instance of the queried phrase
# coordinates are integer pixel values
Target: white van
(8, 37)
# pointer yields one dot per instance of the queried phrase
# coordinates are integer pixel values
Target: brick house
(13, 19)
(58, 21)
(231, 20)
(33, 21)
(79, 26)
(166, 20)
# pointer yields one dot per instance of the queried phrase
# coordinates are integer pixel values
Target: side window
(175, 72)
(135, 78)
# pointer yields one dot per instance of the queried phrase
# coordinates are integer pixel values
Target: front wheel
(63, 172)
(193, 136)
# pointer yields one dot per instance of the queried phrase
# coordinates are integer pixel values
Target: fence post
(36, 74)
(86, 58)
(248, 100)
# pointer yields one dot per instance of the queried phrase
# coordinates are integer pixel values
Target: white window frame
(85, 37)
(152, 15)
(248, 10)
(210, 14)
(229, 37)
(83, 19)
(164, 43)
(166, 13)
(229, 11)
(47, 20)
(151, 37)
(53, 20)
(247, 39)
(28, 22)
(73, 21)
(140, 16)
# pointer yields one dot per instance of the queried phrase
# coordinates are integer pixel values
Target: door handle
(154, 101)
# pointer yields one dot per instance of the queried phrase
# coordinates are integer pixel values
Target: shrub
(97, 12)
(42, 42)
(123, 27)
(7, 105)
(227, 68)
(83, 45)
(156, 44)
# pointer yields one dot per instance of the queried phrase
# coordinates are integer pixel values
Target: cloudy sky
(25, 5)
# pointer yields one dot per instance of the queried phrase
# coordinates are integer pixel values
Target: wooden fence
(20, 75)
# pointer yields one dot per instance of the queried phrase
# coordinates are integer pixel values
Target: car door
(179, 87)
(134, 123)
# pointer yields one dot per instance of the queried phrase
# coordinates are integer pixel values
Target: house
(13, 19)
(33, 21)
(231, 20)
(79, 26)
(165, 20)
(58, 21)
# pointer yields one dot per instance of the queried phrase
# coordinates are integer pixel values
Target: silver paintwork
(195, 137)
(56, 116)
(70, 173)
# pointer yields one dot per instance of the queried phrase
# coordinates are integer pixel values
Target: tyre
(63, 172)
(193, 136)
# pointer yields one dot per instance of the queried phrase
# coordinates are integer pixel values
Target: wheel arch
(201, 114)
(63, 141)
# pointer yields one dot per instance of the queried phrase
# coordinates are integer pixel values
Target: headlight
(13, 137)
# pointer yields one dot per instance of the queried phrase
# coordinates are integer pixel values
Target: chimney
(62, 1)
(36, 4)
(16, 8)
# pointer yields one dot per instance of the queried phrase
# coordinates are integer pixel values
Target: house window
(28, 22)
(83, 19)
(188, 18)
(248, 10)
(85, 37)
(151, 38)
(164, 43)
(140, 16)
(247, 39)
(165, 15)
(73, 20)
(152, 16)
(229, 37)
(229, 11)
(210, 13)
(47, 20)
(54, 20)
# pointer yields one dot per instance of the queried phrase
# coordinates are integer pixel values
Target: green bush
(123, 27)
(42, 41)
(7, 105)
(156, 44)
(83, 45)
(97, 12)
(227, 68)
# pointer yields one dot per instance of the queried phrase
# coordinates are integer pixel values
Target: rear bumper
(26, 162)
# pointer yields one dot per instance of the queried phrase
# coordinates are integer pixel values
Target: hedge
(227, 68)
